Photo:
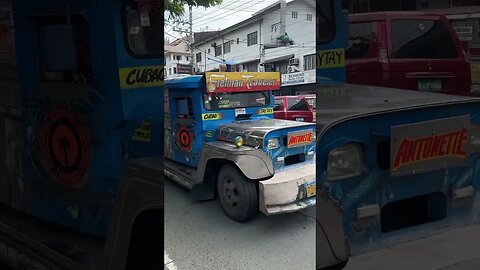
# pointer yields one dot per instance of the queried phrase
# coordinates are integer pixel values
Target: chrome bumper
(286, 191)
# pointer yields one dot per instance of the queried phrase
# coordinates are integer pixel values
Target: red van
(293, 108)
(406, 50)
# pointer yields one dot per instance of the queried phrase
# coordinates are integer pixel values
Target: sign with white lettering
(304, 77)
(184, 69)
(464, 31)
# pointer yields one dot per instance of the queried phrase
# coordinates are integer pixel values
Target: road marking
(169, 263)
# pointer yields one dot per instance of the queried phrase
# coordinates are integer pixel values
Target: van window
(422, 39)
(360, 40)
(278, 105)
(297, 104)
(325, 20)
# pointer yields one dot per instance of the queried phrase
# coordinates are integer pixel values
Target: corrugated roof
(177, 47)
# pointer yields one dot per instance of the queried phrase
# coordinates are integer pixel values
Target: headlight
(273, 143)
(345, 162)
(238, 141)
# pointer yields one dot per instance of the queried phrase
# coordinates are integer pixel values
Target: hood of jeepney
(254, 131)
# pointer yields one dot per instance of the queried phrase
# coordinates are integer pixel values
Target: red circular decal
(185, 138)
(66, 146)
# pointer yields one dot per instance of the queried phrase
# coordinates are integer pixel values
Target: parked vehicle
(407, 50)
(220, 137)
(392, 167)
(311, 99)
(294, 108)
(466, 22)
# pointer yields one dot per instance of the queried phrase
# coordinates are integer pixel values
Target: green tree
(177, 7)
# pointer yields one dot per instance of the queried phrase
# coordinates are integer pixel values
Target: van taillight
(382, 42)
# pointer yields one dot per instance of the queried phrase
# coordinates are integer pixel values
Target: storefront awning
(278, 59)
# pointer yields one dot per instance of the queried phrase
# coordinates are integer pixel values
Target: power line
(223, 7)
(208, 20)
(245, 41)
(220, 17)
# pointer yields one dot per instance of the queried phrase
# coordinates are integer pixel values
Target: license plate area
(311, 189)
(430, 85)
(300, 119)
(429, 146)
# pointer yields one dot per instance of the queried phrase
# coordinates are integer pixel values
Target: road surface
(453, 250)
(198, 235)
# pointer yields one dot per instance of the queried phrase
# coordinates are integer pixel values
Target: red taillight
(382, 42)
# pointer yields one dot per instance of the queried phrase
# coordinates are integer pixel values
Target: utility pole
(189, 32)
(192, 54)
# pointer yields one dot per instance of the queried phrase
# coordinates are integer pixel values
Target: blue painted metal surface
(377, 186)
(365, 115)
(111, 116)
(326, 73)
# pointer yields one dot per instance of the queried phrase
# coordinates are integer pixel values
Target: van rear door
(425, 54)
(362, 54)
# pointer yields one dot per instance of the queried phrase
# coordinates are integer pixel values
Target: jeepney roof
(191, 81)
(340, 101)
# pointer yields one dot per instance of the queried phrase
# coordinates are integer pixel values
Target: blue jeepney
(392, 165)
(221, 136)
(81, 134)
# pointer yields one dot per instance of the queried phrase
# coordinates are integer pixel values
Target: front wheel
(238, 195)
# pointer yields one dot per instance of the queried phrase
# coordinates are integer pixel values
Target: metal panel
(429, 146)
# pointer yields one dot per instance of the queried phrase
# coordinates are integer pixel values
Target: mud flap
(204, 191)
(331, 244)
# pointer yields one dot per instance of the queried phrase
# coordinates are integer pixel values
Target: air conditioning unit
(294, 61)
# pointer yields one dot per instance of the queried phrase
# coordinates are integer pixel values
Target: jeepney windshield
(143, 22)
(222, 101)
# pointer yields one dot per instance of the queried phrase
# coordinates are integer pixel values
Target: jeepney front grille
(294, 159)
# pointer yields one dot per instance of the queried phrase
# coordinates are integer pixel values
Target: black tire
(237, 194)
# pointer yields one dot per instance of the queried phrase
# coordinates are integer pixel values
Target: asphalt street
(453, 250)
(198, 235)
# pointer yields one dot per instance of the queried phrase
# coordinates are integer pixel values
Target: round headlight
(238, 141)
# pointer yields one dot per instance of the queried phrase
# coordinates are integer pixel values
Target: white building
(251, 45)
(177, 58)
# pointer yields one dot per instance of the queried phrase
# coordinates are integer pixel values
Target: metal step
(183, 175)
